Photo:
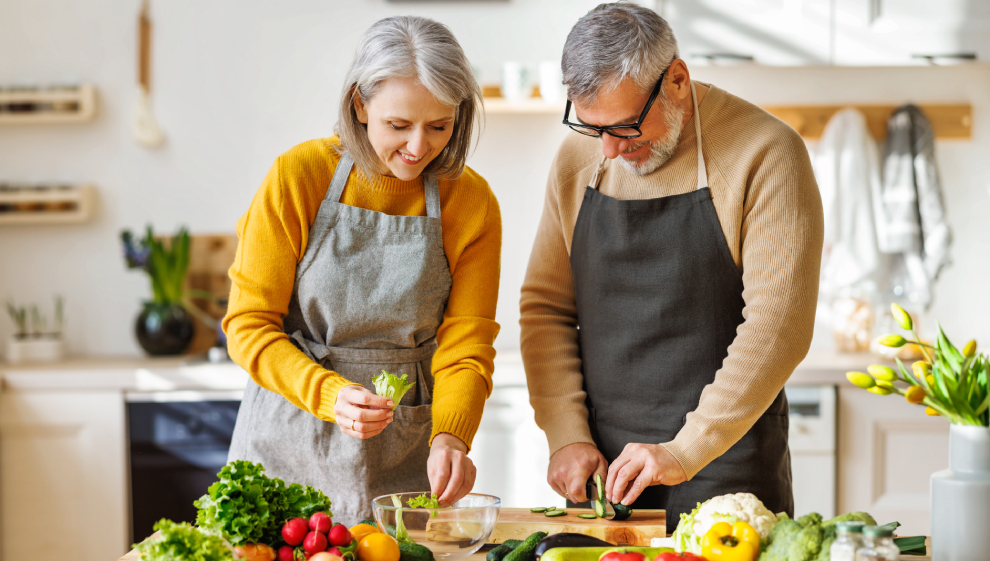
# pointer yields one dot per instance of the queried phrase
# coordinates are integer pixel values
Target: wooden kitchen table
(133, 555)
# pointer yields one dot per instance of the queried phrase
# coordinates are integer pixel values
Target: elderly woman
(375, 249)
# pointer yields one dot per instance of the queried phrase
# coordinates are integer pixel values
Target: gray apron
(659, 300)
(369, 294)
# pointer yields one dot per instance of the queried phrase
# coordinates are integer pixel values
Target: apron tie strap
(320, 352)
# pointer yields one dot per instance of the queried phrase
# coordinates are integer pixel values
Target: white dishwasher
(511, 454)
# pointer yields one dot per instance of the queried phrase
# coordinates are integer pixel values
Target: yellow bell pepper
(731, 542)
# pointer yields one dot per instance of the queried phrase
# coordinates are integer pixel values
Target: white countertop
(137, 374)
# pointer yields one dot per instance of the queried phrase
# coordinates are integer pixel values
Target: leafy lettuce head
(392, 386)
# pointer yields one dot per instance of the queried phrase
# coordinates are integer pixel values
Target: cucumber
(414, 552)
(554, 513)
(600, 508)
(549, 508)
(526, 551)
(538, 509)
(595, 553)
(502, 550)
(587, 516)
(368, 522)
(622, 512)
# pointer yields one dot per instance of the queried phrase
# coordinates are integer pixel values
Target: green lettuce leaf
(182, 541)
(391, 386)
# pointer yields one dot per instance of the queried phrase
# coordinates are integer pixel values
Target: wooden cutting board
(638, 529)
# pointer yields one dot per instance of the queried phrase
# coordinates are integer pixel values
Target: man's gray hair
(411, 47)
(613, 42)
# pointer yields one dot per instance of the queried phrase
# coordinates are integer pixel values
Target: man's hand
(638, 467)
(450, 470)
(571, 467)
(360, 413)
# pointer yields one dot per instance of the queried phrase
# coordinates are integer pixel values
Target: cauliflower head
(728, 508)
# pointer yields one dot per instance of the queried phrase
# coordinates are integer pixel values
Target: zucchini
(587, 515)
(538, 509)
(502, 550)
(554, 513)
(414, 552)
(526, 551)
(595, 553)
(622, 512)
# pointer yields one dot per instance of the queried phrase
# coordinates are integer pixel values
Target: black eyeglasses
(618, 131)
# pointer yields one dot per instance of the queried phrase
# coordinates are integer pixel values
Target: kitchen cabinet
(842, 32)
(773, 32)
(896, 32)
(62, 476)
(888, 450)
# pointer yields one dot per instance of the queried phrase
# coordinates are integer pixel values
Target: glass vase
(163, 328)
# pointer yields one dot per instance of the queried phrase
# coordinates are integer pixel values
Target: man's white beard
(661, 149)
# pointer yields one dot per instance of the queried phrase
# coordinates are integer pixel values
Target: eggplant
(565, 539)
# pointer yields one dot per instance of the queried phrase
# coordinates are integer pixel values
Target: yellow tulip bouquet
(949, 382)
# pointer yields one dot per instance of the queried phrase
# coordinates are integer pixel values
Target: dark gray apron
(369, 294)
(659, 300)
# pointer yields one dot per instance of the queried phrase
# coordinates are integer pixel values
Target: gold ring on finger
(352, 423)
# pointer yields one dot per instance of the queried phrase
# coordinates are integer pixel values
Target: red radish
(286, 553)
(335, 551)
(294, 531)
(340, 535)
(315, 542)
(320, 522)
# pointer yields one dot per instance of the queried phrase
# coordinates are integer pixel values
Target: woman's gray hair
(613, 42)
(411, 47)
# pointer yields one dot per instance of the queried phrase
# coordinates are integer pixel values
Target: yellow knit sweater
(273, 235)
(768, 205)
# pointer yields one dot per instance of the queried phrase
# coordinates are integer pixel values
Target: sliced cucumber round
(550, 508)
(587, 515)
(538, 509)
(600, 509)
(554, 513)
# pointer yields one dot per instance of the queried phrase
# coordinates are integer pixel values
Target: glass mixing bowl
(450, 533)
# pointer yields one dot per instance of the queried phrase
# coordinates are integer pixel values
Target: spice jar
(848, 538)
(878, 545)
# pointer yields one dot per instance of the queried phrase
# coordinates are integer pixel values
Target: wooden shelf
(949, 121)
(47, 205)
(75, 104)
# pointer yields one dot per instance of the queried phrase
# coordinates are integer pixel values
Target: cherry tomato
(619, 556)
(671, 556)
(378, 547)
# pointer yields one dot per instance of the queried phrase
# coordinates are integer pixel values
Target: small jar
(878, 545)
(848, 539)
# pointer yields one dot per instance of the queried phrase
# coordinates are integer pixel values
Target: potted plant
(954, 384)
(33, 341)
(164, 326)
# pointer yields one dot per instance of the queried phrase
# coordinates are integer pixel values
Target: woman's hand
(360, 413)
(451, 472)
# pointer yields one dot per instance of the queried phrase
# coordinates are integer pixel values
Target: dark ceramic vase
(163, 328)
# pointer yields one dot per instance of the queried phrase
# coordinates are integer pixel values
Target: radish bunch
(305, 538)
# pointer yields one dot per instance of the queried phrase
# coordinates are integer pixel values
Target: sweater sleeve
(464, 361)
(781, 248)
(272, 238)
(548, 325)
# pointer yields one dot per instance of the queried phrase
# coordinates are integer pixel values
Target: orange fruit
(378, 547)
(359, 531)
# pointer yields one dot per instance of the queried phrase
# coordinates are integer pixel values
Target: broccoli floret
(794, 540)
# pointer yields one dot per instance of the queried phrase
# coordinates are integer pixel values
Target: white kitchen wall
(237, 83)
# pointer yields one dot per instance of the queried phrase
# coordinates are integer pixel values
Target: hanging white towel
(847, 167)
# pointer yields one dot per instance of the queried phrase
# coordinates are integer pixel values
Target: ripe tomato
(359, 531)
(378, 547)
(671, 556)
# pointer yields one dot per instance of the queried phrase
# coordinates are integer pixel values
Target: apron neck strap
(343, 171)
(702, 171)
(432, 189)
(340, 176)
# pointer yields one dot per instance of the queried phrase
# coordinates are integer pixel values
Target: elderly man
(672, 286)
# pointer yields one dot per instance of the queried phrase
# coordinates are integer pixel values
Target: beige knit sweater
(770, 210)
